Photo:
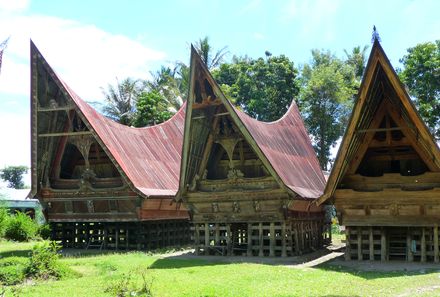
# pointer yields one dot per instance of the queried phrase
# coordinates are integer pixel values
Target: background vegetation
(324, 89)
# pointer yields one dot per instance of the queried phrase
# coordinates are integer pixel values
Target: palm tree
(204, 49)
(121, 100)
(357, 59)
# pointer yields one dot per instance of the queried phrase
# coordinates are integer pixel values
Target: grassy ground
(200, 277)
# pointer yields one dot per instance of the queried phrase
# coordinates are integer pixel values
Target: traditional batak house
(102, 183)
(385, 183)
(249, 185)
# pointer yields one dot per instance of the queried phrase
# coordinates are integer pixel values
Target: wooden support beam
(297, 249)
(272, 240)
(436, 250)
(283, 240)
(117, 237)
(217, 234)
(409, 252)
(196, 239)
(423, 246)
(60, 108)
(347, 244)
(379, 130)
(371, 243)
(206, 239)
(383, 245)
(260, 239)
(229, 240)
(127, 241)
(249, 240)
(65, 134)
(359, 244)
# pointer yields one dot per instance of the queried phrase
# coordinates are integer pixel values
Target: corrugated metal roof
(287, 146)
(150, 157)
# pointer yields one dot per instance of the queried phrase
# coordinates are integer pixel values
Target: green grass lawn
(198, 277)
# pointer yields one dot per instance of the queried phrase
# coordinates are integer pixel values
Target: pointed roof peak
(375, 35)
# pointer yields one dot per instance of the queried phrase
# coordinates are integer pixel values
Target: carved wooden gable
(66, 152)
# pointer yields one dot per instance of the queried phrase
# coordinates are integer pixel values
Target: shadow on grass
(370, 270)
(19, 253)
(190, 260)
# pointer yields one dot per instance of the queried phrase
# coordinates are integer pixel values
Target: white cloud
(13, 5)
(85, 56)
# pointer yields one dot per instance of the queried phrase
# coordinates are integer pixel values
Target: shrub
(4, 215)
(45, 231)
(44, 263)
(20, 227)
(12, 270)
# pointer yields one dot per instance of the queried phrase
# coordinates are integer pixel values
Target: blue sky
(90, 43)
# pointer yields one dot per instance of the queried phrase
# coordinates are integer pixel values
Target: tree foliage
(422, 76)
(151, 109)
(14, 176)
(205, 50)
(327, 89)
(121, 100)
(263, 87)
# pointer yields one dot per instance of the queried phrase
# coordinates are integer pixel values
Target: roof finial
(375, 36)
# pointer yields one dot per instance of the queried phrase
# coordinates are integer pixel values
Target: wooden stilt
(423, 246)
(126, 237)
(229, 240)
(383, 245)
(297, 248)
(409, 252)
(249, 240)
(217, 235)
(359, 244)
(371, 243)
(283, 240)
(117, 237)
(260, 239)
(272, 240)
(347, 244)
(436, 250)
(196, 239)
(206, 239)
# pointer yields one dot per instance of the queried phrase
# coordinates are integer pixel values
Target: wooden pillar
(260, 239)
(423, 246)
(105, 236)
(359, 243)
(116, 237)
(347, 244)
(206, 239)
(297, 249)
(436, 251)
(196, 239)
(383, 245)
(272, 240)
(249, 239)
(229, 240)
(283, 240)
(217, 234)
(371, 243)
(126, 237)
(301, 237)
(409, 253)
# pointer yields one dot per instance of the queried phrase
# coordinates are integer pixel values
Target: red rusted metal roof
(287, 146)
(150, 157)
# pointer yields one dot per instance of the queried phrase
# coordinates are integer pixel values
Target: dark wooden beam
(65, 134)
